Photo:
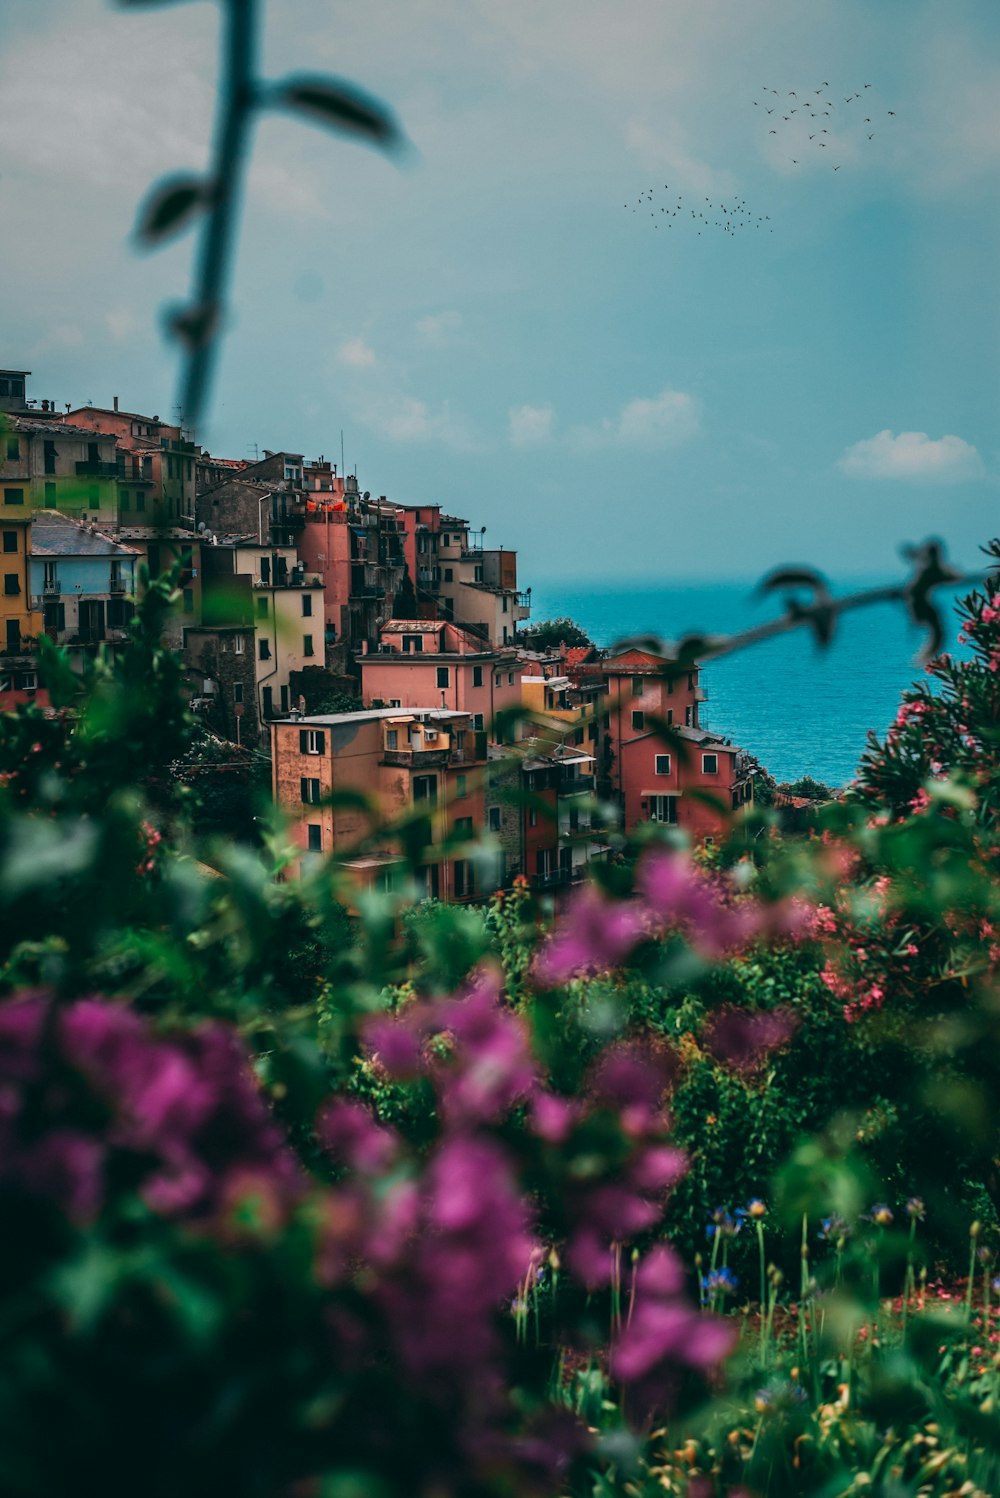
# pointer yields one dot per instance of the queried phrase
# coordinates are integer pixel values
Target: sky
(496, 322)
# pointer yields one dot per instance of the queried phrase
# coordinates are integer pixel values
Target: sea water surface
(799, 709)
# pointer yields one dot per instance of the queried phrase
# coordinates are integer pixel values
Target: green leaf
(170, 207)
(339, 106)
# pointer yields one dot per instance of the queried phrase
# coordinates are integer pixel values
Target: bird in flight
(836, 169)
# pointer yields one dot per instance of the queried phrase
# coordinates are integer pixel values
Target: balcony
(420, 758)
(87, 469)
(576, 785)
(523, 600)
(119, 584)
(51, 587)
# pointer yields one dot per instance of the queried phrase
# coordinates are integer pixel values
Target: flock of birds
(801, 114)
(730, 217)
(805, 111)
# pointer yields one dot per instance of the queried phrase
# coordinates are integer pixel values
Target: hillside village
(366, 644)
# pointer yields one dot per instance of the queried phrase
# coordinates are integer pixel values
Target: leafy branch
(178, 201)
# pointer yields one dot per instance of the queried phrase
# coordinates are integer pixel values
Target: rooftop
(55, 535)
(370, 715)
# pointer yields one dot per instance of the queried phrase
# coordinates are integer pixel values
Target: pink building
(651, 778)
(423, 661)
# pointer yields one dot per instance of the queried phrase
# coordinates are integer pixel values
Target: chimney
(114, 401)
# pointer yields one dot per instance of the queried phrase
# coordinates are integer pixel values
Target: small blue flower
(722, 1281)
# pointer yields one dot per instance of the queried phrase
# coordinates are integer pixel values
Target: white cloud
(913, 456)
(658, 421)
(356, 353)
(439, 329)
(530, 424)
(405, 419)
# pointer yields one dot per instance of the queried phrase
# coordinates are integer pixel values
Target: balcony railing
(420, 757)
(51, 587)
(119, 584)
(575, 785)
(87, 469)
(523, 600)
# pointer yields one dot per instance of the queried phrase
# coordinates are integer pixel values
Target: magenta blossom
(665, 1333)
(743, 1039)
(594, 934)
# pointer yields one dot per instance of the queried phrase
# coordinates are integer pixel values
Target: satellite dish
(367, 494)
(201, 525)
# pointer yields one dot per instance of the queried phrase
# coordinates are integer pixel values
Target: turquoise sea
(800, 710)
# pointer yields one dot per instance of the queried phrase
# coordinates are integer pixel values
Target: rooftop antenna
(342, 468)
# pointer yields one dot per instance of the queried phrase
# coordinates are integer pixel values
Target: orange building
(424, 760)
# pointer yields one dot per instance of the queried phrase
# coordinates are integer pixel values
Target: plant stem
(237, 99)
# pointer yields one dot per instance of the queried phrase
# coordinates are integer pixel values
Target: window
(312, 741)
(262, 608)
(465, 879)
(237, 691)
(449, 574)
(493, 818)
(267, 702)
(188, 597)
(463, 826)
(637, 686)
(691, 681)
(123, 499)
(461, 786)
(13, 496)
(638, 722)
(50, 496)
(578, 736)
(497, 678)
(460, 751)
(663, 809)
(307, 644)
(478, 574)
(510, 678)
(506, 604)
(265, 569)
(663, 764)
(478, 722)
(443, 676)
(314, 834)
(670, 715)
(710, 764)
(307, 605)
(532, 816)
(309, 788)
(425, 788)
(10, 540)
(49, 456)
(264, 650)
(413, 644)
(13, 449)
(11, 584)
(140, 500)
(689, 716)
(574, 819)
(238, 644)
(477, 676)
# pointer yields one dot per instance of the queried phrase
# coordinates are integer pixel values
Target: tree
(549, 633)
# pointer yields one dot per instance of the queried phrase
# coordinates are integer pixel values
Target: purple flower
(594, 934)
(743, 1039)
(666, 1333)
(352, 1136)
(492, 1067)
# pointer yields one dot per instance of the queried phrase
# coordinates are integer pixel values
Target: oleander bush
(689, 1187)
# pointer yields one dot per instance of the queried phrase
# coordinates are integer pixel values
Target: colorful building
(419, 661)
(650, 777)
(82, 582)
(422, 761)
